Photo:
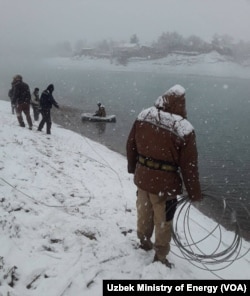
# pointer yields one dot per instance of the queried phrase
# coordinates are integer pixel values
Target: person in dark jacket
(162, 155)
(46, 102)
(21, 100)
(35, 103)
(101, 112)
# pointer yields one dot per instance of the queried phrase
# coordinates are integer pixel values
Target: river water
(218, 108)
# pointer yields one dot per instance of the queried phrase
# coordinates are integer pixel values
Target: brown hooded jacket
(162, 133)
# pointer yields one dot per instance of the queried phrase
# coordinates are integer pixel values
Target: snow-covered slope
(68, 218)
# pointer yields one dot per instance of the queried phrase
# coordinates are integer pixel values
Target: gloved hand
(171, 206)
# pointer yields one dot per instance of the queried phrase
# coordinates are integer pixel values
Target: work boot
(163, 261)
(146, 244)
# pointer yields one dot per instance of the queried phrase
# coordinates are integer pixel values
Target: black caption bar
(156, 287)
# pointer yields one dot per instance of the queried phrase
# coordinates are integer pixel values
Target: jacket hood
(17, 77)
(50, 88)
(173, 101)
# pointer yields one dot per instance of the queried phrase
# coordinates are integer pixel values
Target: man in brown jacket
(162, 155)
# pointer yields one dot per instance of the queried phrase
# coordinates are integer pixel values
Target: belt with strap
(157, 164)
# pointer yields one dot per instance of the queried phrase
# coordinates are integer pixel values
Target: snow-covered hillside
(68, 218)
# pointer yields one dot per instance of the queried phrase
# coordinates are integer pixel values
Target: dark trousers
(46, 118)
(13, 107)
(36, 112)
(25, 108)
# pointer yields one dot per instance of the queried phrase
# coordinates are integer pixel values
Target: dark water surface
(217, 107)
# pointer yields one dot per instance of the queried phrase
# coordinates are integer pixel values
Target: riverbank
(217, 107)
(68, 219)
(69, 118)
(208, 64)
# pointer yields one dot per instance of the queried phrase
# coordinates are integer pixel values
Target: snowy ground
(68, 219)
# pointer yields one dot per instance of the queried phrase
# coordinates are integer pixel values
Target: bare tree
(134, 39)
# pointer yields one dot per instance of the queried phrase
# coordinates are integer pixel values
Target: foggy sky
(34, 22)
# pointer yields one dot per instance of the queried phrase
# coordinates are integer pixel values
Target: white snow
(176, 89)
(159, 102)
(174, 123)
(68, 218)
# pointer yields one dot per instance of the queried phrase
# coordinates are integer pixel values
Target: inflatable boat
(92, 117)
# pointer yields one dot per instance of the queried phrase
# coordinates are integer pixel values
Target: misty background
(35, 27)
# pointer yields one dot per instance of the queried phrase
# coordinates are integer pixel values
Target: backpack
(23, 93)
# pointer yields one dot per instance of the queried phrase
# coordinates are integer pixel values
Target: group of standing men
(21, 100)
(161, 152)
